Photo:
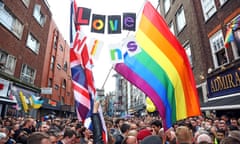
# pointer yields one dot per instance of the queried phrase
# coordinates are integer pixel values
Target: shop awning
(231, 102)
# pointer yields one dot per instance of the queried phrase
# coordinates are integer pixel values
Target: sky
(61, 14)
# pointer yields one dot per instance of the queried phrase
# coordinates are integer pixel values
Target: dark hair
(232, 127)
(124, 127)
(117, 121)
(152, 139)
(82, 130)
(203, 142)
(37, 137)
(69, 133)
(221, 131)
(157, 123)
(229, 140)
(52, 133)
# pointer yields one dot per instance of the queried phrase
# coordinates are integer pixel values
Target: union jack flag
(82, 77)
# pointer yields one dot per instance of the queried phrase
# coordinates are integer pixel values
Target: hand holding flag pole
(82, 77)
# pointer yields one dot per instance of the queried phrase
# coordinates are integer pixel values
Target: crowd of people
(134, 130)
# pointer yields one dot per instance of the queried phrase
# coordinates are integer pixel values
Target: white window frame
(37, 14)
(33, 43)
(26, 3)
(64, 83)
(222, 2)
(188, 51)
(3, 57)
(9, 21)
(28, 74)
(55, 39)
(171, 27)
(65, 66)
(8, 63)
(50, 81)
(180, 19)
(166, 4)
(217, 45)
(203, 88)
(209, 8)
(52, 62)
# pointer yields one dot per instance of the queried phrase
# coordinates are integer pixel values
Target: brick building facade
(26, 47)
(201, 28)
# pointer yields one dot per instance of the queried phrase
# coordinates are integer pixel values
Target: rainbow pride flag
(161, 70)
(229, 37)
(235, 23)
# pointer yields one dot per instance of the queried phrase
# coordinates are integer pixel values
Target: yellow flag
(23, 100)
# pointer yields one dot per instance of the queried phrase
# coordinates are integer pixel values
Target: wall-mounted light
(209, 70)
(223, 67)
(201, 76)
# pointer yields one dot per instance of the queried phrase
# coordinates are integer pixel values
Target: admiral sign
(225, 83)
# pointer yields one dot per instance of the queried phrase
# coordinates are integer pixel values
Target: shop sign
(4, 87)
(225, 83)
(46, 90)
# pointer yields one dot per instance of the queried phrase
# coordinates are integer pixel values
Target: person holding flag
(97, 126)
(82, 78)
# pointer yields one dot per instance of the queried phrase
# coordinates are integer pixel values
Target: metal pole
(107, 77)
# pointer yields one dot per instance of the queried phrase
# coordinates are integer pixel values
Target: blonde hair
(184, 135)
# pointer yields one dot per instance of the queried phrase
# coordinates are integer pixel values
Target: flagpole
(107, 77)
(158, 5)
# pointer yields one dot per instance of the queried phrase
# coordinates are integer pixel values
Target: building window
(26, 2)
(209, 8)
(61, 47)
(218, 50)
(59, 66)
(33, 43)
(55, 39)
(38, 15)
(222, 2)
(56, 87)
(202, 92)
(189, 53)
(52, 62)
(7, 63)
(27, 74)
(62, 100)
(68, 93)
(166, 4)
(50, 82)
(65, 66)
(64, 83)
(180, 19)
(8, 20)
(171, 27)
